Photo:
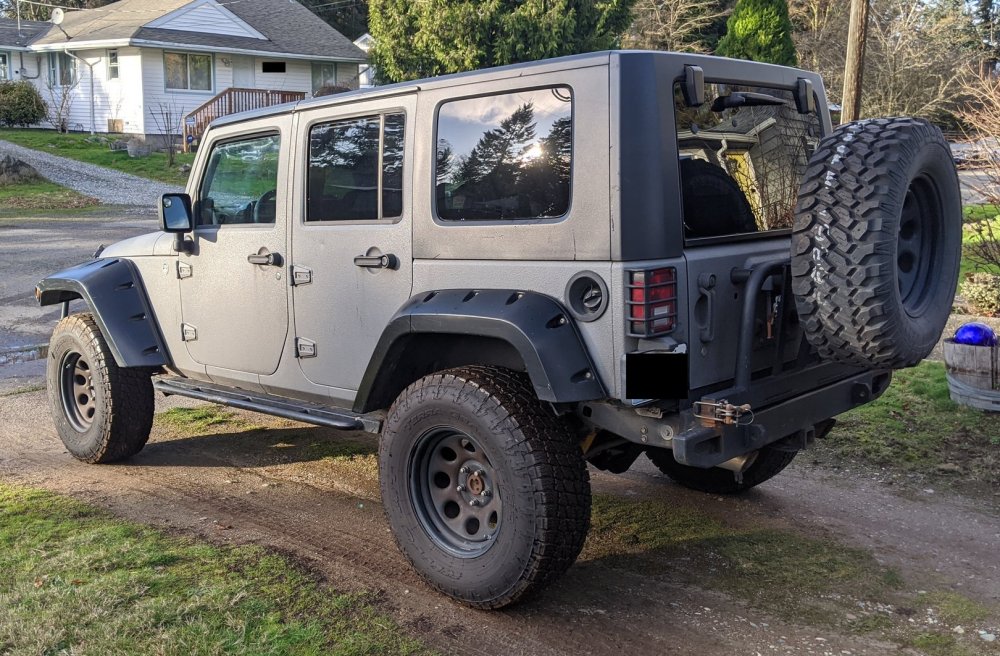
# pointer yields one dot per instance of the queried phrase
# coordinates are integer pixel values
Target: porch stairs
(230, 101)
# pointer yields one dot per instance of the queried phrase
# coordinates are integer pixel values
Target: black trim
(310, 413)
(113, 290)
(510, 324)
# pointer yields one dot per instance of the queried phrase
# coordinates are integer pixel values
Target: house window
(324, 74)
(187, 71)
(4, 66)
(112, 64)
(505, 157)
(62, 69)
(348, 181)
(272, 67)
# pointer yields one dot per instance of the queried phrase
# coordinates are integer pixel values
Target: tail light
(652, 301)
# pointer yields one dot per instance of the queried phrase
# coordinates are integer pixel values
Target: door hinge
(301, 275)
(184, 270)
(305, 348)
(188, 332)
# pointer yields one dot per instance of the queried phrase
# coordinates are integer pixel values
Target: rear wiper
(744, 99)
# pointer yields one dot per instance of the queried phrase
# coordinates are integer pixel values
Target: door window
(356, 169)
(241, 182)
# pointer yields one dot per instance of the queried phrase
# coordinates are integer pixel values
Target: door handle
(706, 303)
(384, 261)
(264, 259)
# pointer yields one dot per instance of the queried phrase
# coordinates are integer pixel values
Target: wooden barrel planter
(973, 374)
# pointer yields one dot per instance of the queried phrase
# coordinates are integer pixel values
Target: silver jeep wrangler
(511, 273)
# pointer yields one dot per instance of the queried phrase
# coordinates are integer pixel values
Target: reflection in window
(241, 182)
(742, 158)
(345, 183)
(505, 157)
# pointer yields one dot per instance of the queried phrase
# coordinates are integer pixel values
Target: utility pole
(854, 68)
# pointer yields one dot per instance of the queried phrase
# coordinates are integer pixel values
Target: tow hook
(712, 412)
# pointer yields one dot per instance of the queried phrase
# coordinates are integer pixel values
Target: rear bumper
(708, 446)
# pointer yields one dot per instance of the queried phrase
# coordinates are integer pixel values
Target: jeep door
(232, 285)
(351, 237)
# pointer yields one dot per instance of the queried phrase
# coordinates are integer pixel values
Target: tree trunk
(854, 68)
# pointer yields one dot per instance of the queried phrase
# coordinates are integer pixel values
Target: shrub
(21, 104)
(982, 291)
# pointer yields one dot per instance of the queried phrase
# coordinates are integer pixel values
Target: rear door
(352, 261)
(740, 163)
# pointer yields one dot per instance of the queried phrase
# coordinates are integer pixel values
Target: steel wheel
(918, 227)
(76, 389)
(454, 492)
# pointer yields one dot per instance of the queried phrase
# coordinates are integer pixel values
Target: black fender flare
(112, 288)
(534, 325)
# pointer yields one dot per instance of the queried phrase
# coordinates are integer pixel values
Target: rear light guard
(651, 301)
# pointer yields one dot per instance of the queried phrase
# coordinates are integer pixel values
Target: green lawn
(42, 195)
(974, 213)
(77, 580)
(84, 148)
(916, 427)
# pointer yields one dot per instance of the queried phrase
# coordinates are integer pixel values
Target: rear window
(505, 157)
(742, 154)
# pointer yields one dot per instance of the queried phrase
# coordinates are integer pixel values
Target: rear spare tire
(877, 242)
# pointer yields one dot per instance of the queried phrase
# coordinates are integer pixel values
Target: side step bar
(310, 413)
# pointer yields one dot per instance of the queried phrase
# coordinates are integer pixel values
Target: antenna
(58, 16)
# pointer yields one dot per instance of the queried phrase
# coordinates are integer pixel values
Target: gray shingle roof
(289, 27)
(11, 37)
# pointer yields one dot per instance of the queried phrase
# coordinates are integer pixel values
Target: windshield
(742, 155)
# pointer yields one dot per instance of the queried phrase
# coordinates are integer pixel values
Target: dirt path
(274, 487)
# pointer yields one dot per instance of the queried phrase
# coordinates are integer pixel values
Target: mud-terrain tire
(103, 413)
(714, 205)
(454, 435)
(768, 464)
(877, 242)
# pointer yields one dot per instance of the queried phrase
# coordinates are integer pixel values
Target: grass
(974, 214)
(27, 389)
(78, 580)
(42, 195)
(916, 426)
(85, 148)
(199, 420)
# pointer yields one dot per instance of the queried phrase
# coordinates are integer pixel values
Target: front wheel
(486, 492)
(103, 413)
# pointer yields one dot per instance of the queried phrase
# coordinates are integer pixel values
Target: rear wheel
(102, 413)
(486, 492)
(768, 463)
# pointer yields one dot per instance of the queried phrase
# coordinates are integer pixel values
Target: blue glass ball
(975, 334)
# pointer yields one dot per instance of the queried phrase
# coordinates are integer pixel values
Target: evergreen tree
(433, 37)
(759, 30)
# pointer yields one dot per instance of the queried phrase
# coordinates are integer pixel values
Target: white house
(196, 58)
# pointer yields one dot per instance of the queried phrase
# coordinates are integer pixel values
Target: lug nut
(460, 488)
(481, 472)
(463, 470)
(486, 493)
(474, 502)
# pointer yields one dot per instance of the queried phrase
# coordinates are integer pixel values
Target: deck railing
(230, 101)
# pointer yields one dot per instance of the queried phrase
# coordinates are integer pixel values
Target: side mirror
(176, 217)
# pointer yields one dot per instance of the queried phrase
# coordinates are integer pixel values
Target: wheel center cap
(476, 484)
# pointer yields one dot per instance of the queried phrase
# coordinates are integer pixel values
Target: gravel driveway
(108, 186)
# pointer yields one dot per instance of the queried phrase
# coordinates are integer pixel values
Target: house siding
(180, 103)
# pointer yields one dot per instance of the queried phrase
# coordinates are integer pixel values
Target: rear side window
(505, 157)
(356, 169)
